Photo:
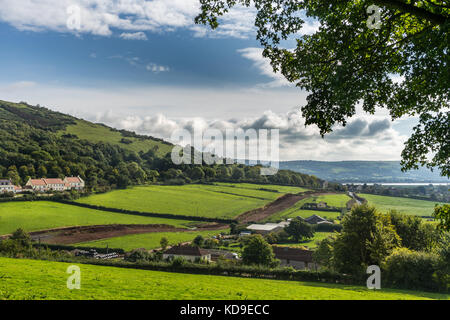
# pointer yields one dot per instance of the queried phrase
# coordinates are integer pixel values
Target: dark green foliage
(442, 213)
(411, 269)
(299, 230)
(257, 252)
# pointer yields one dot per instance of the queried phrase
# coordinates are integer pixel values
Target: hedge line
(70, 248)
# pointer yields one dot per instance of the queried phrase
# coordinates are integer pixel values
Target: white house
(37, 185)
(55, 184)
(6, 186)
(75, 183)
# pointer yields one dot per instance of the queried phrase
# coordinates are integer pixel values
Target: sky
(146, 66)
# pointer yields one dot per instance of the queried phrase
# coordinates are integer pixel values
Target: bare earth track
(282, 203)
(72, 235)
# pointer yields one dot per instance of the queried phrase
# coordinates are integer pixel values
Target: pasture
(296, 211)
(40, 215)
(148, 240)
(402, 205)
(45, 280)
(215, 201)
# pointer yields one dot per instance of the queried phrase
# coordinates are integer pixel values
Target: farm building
(294, 257)
(55, 184)
(187, 252)
(6, 186)
(75, 183)
(315, 219)
(265, 228)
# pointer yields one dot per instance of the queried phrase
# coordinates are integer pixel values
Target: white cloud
(131, 17)
(263, 64)
(134, 36)
(159, 111)
(152, 67)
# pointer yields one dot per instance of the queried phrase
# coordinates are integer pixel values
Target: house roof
(73, 180)
(187, 251)
(37, 182)
(314, 219)
(293, 254)
(263, 227)
(5, 181)
(53, 181)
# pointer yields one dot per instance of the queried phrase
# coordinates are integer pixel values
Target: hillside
(362, 171)
(37, 142)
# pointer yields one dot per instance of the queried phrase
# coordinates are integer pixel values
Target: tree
(414, 234)
(442, 213)
(367, 237)
(400, 64)
(299, 229)
(198, 241)
(257, 251)
(164, 242)
(21, 237)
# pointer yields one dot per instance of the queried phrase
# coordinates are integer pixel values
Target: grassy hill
(215, 201)
(403, 205)
(32, 279)
(100, 133)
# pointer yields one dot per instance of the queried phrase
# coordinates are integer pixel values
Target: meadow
(403, 205)
(296, 211)
(217, 201)
(39, 280)
(40, 215)
(148, 240)
(98, 133)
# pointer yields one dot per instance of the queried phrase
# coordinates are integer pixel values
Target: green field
(148, 240)
(218, 201)
(403, 205)
(296, 211)
(98, 133)
(333, 200)
(251, 186)
(39, 215)
(32, 279)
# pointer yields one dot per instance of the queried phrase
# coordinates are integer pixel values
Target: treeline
(411, 254)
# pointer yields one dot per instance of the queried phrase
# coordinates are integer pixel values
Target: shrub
(409, 269)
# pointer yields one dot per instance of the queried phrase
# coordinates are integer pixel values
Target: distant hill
(38, 142)
(362, 171)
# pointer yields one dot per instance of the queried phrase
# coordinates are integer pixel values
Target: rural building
(187, 252)
(217, 254)
(75, 183)
(322, 205)
(265, 228)
(6, 186)
(294, 257)
(55, 184)
(37, 185)
(315, 219)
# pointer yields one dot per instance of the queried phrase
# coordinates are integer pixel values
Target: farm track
(71, 235)
(282, 203)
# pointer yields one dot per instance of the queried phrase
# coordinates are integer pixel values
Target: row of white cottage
(44, 184)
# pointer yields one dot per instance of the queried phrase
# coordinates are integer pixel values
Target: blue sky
(145, 66)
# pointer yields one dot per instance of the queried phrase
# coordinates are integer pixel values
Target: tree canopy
(400, 62)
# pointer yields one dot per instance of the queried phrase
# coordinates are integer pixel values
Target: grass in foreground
(148, 240)
(402, 205)
(194, 200)
(40, 215)
(32, 279)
